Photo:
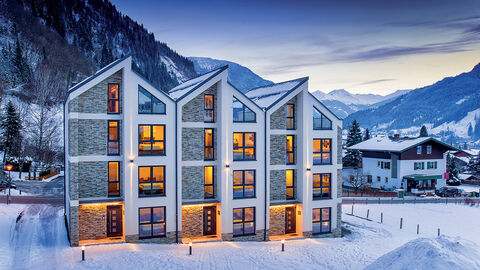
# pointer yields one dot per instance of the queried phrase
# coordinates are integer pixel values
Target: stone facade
(88, 137)
(73, 169)
(92, 179)
(278, 119)
(278, 185)
(73, 226)
(337, 232)
(278, 149)
(277, 220)
(193, 183)
(339, 146)
(192, 221)
(168, 239)
(192, 144)
(193, 111)
(258, 236)
(95, 99)
(92, 221)
(339, 183)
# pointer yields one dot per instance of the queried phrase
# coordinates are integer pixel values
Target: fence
(369, 193)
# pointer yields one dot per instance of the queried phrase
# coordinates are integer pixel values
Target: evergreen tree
(474, 165)
(11, 126)
(367, 135)
(452, 166)
(352, 157)
(423, 131)
(21, 69)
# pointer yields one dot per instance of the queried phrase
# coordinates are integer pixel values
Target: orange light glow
(9, 167)
(199, 205)
(190, 244)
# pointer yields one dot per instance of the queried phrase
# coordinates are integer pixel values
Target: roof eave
(219, 70)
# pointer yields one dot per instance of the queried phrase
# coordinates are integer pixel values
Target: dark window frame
(245, 221)
(321, 187)
(208, 109)
(243, 185)
(164, 222)
(321, 152)
(292, 118)
(246, 147)
(207, 185)
(321, 220)
(151, 182)
(243, 113)
(290, 187)
(208, 147)
(322, 117)
(151, 141)
(113, 99)
(429, 149)
(151, 102)
(292, 151)
(114, 182)
(113, 141)
(419, 148)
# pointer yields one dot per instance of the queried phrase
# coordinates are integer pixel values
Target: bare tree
(357, 179)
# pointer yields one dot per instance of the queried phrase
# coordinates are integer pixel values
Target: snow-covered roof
(395, 144)
(266, 96)
(472, 152)
(186, 87)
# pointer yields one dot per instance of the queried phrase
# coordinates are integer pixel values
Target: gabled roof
(389, 144)
(268, 95)
(243, 94)
(315, 98)
(180, 91)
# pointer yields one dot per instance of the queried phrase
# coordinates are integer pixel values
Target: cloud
(376, 81)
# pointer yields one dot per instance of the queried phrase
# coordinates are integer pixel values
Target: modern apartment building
(200, 162)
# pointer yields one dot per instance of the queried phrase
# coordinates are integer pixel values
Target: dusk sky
(362, 46)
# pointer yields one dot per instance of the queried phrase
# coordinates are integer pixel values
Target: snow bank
(431, 253)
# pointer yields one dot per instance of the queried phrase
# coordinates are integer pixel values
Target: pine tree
(11, 126)
(474, 165)
(367, 135)
(21, 69)
(452, 166)
(352, 157)
(423, 131)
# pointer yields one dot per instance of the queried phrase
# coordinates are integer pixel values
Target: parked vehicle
(449, 192)
(454, 182)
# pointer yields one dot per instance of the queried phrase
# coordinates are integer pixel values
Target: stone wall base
(169, 239)
(258, 236)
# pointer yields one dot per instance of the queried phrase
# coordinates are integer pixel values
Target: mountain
(241, 77)
(449, 108)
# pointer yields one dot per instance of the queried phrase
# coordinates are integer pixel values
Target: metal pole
(190, 248)
(368, 213)
(438, 233)
(401, 223)
(418, 228)
(83, 253)
(381, 217)
(283, 245)
(352, 209)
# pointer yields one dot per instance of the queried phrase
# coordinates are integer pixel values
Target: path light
(83, 253)
(283, 245)
(190, 248)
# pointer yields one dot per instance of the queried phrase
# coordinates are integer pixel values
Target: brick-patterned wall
(339, 145)
(278, 119)
(92, 179)
(92, 222)
(73, 169)
(339, 183)
(192, 221)
(193, 182)
(277, 220)
(94, 100)
(88, 137)
(73, 226)
(193, 111)
(258, 236)
(192, 144)
(337, 232)
(168, 239)
(278, 149)
(278, 185)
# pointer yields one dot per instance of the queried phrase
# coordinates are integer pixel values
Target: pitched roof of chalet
(268, 95)
(394, 144)
(191, 85)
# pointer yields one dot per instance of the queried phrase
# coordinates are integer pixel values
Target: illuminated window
(243, 146)
(321, 186)
(208, 101)
(321, 220)
(151, 140)
(322, 151)
(243, 221)
(208, 180)
(290, 149)
(290, 116)
(320, 121)
(151, 222)
(113, 179)
(113, 138)
(151, 181)
(243, 184)
(290, 184)
(208, 144)
(113, 98)
(241, 113)
(148, 104)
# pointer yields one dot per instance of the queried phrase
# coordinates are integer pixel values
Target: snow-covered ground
(38, 241)
(16, 176)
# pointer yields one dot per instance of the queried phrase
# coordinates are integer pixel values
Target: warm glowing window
(151, 140)
(243, 146)
(243, 184)
(290, 149)
(208, 101)
(209, 187)
(113, 138)
(151, 222)
(113, 98)
(243, 221)
(322, 151)
(321, 186)
(113, 179)
(208, 144)
(148, 104)
(321, 220)
(241, 113)
(290, 184)
(320, 121)
(290, 116)
(151, 181)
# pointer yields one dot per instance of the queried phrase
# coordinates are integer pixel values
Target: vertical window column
(290, 149)
(113, 98)
(208, 180)
(208, 106)
(208, 144)
(290, 116)
(290, 185)
(113, 179)
(113, 143)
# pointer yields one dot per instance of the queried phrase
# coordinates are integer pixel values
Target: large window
(113, 138)
(243, 146)
(243, 221)
(320, 121)
(243, 184)
(113, 98)
(322, 151)
(290, 116)
(208, 181)
(151, 181)
(151, 140)
(151, 222)
(208, 106)
(208, 144)
(148, 104)
(241, 113)
(290, 149)
(431, 165)
(290, 184)
(321, 186)
(113, 179)
(321, 220)
(419, 165)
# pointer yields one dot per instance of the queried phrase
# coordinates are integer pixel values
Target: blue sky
(362, 46)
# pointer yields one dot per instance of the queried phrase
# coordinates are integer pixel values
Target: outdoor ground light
(283, 245)
(190, 248)
(83, 253)
(9, 167)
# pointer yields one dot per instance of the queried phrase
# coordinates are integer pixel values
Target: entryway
(114, 221)
(209, 220)
(290, 220)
